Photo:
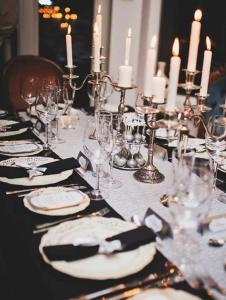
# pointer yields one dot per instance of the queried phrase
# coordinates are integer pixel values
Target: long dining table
(31, 278)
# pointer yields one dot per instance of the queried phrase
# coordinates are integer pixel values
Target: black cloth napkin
(130, 240)
(52, 168)
(17, 126)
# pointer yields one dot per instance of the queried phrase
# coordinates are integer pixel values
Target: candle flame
(153, 42)
(208, 43)
(69, 29)
(99, 9)
(95, 28)
(176, 47)
(129, 32)
(198, 15)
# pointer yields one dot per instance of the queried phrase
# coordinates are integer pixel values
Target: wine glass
(46, 109)
(30, 91)
(68, 98)
(216, 146)
(58, 99)
(189, 202)
(96, 150)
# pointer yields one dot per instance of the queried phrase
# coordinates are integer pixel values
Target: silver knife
(33, 189)
(152, 278)
(76, 187)
(46, 226)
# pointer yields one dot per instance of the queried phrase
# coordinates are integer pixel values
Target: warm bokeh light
(208, 43)
(176, 47)
(74, 17)
(59, 16)
(67, 17)
(67, 9)
(198, 15)
(56, 8)
(64, 25)
(46, 16)
(153, 42)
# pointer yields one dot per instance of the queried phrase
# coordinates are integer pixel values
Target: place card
(39, 126)
(84, 162)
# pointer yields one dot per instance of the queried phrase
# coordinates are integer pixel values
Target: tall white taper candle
(96, 49)
(99, 24)
(150, 68)
(175, 62)
(206, 68)
(194, 41)
(69, 48)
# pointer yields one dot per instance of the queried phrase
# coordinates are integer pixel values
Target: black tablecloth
(30, 277)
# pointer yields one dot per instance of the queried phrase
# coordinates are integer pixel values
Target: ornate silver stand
(121, 108)
(149, 173)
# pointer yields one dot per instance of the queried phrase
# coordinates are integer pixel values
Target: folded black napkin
(52, 168)
(130, 240)
(17, 126)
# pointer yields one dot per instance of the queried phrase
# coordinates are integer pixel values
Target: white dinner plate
(3, 113)
(38, 180)
(100, 266)
(21, 148)
(161, 133)
(164, 294)
(10, 133)
(33, 203)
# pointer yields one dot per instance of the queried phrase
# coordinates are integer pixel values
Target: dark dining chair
(15, 72)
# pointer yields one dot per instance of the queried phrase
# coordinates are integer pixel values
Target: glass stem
(111, 161)
(47, 134)
(98, 177)
(215, 165)
(57, 127)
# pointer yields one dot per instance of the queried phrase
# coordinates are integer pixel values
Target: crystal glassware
(189, 203)
(216, 147)
(46, 110)
(30, 91)
(96, 150)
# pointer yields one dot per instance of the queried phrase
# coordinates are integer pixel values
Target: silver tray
(126, 168)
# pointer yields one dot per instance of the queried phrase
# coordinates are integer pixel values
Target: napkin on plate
(17, 126)
(127, 241)
(51, 168)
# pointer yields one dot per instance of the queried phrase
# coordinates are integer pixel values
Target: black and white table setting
(82, 214)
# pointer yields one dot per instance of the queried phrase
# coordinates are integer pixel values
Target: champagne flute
(30, 91)
(46, 109)
(216, 146)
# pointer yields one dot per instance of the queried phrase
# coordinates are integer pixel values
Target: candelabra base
(149, 174)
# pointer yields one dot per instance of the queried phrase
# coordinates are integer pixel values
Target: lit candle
(96, 49)
(206, 68)
(128, 46)
(173, 77)
(99, 23)
(69, 48)
(125, 71)
(194, 41)
(150, 68)
(159, 87)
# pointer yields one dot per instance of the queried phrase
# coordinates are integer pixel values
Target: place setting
(11, 128)
(36, 170)
(16, 148)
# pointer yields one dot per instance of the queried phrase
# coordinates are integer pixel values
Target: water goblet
(30, 91)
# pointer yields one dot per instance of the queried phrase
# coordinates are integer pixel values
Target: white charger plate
(10, 133)
(56, 212)
(38, 149)
(38, 180)
(164, 294)
(100, 266)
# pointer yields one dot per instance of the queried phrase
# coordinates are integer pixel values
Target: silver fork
(45, 226)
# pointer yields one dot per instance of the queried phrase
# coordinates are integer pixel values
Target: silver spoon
(217, 242)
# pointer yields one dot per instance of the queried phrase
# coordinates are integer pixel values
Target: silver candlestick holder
(189, 86)
(121, 108)
(149, 173)
(71, 77)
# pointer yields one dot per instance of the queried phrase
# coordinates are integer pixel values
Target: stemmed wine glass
(97, 150)
(46, 109)
(58, 99)
(30, 91)
(216, 146)
(189, 202)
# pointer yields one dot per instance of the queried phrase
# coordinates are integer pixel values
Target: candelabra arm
(82, 84)
(107, 77)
